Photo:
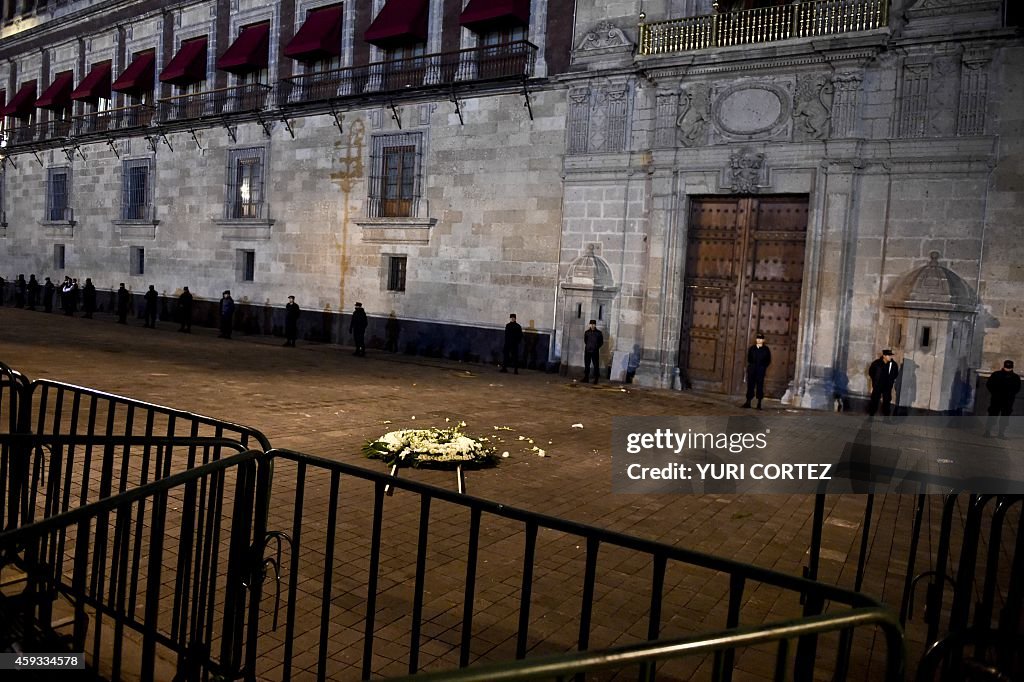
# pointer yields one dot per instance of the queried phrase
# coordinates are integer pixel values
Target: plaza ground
(319, 399)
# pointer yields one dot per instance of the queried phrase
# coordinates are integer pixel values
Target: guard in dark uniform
(291, 322)
(758, 360)
(89, 297)
(151, 300)
(124, 299)
(593, 339)
(883, 372)
(1003, 387)
(48, 289)
(513, 337)
(185, 311)
(358, 329)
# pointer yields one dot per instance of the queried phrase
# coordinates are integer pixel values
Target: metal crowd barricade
(405, 583)
(972, 586)
(70, 431)
(151, 581)
(169, 550)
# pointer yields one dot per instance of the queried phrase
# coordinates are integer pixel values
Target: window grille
(58, 256)
(396, 272)
(136, 196)
(396, 180)
(245, 183)
(58, 189)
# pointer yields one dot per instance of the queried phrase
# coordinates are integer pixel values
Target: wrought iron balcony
(112, 120)
(486, 63)
(235, 100)
(39, 132)
(763, 25)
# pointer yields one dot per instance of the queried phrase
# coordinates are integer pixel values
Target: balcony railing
(112, 120)
(234, 100)
(486, 63)
(763, 25)
(39, 132)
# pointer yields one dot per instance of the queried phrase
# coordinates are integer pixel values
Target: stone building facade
(842, 175)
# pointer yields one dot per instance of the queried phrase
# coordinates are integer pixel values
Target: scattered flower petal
(413, 417)
(522, 437)
(504, 454)
(577, 426)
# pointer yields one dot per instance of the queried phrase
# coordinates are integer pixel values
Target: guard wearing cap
(593, 339)
(357, 328)
(883, 372)
(1003, 387)
(291, 322)
(510, 351)
(759, 357)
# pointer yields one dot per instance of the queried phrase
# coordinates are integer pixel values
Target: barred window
(395, 185)
(396, 272)
(58, 190)
(58, 256)
(245, 183)
(136, 197)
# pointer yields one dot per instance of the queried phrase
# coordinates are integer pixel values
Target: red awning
(250, 51)
(400, 22)
(189, 65)
(23, 102)
(487, 15)
(58, 95)
(319, 37)
(138, 77)
(95, 86)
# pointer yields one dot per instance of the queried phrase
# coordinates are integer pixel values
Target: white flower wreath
(436, 448)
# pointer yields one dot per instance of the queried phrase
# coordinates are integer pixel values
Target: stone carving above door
(752, 110)
(785, 109)
(746, 172)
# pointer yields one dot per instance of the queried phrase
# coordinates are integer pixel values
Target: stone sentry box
(932, 315)
(588, 293)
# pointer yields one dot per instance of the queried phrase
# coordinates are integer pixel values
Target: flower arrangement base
(460, 478)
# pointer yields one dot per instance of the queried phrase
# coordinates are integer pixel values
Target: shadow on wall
(906, 387)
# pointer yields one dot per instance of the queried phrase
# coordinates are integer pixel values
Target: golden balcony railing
(762, 25)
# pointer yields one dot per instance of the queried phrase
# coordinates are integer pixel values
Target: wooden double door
(744, 272)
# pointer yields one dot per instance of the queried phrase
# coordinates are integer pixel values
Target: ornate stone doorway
(744, 273)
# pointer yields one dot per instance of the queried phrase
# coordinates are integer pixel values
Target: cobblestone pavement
(319, 399)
